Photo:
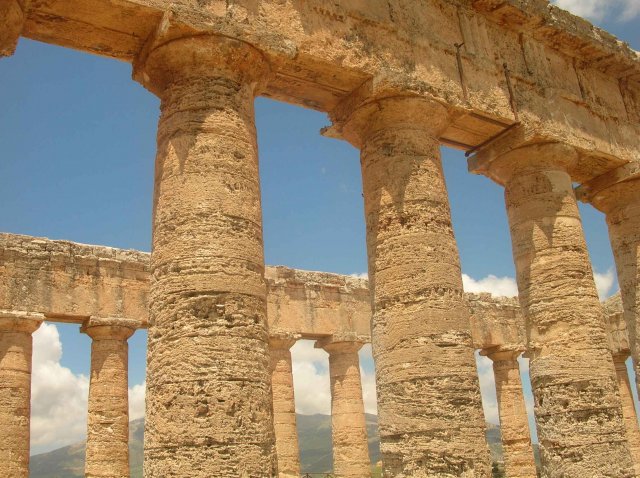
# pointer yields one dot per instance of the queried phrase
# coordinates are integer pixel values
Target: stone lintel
(588, 191)
(503, 352)
(20, 321)
(283, 339)
(346, 341)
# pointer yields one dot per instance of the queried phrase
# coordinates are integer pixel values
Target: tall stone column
(284, 407)
(514, 426)
(107, 452)
(209, 403)
(348, 423)
(621, 204)
(12, 17)
(16, 329)
(577, 403)
(628, 409)
(429, 408)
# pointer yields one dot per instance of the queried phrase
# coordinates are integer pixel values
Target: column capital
(20, 321)
(170, 56)
(110, 328)
(12, 17)
(374, 107)
(503, 353)
(283, 340)
(342, 344)
(507, 159)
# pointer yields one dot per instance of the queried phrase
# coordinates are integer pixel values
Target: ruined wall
(322, 52)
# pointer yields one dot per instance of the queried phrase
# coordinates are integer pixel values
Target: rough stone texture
(15, 391)
(514, 426)
(12, 17)
(421, 334)
(577, 403)
(209, 409)
(348, 426)
(628, 409)
(107, 452)
(322, 51)
(284, 407)
(621, 204)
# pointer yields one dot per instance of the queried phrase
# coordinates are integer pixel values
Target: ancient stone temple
(540, 100)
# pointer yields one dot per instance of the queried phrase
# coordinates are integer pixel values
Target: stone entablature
(321, 52)
(70, 282)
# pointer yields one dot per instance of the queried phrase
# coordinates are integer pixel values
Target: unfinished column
(348, 423)
(628, 408)
(514, 426)
(284, 407)
(16, 329)
(209, 403)
(107, 453)
(430, 413)
(621, 204)
(12, 17)
(578, 408)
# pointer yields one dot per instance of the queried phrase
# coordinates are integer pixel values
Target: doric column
(209, 403)
(620, 202)
(430, 413)
(12, 17)
(348, 423)
(284, 407)
(16, 329)
(107, 452)
(628, 409)
(514, 426)
(577, 403)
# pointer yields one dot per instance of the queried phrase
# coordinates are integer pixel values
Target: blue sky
(77, 137)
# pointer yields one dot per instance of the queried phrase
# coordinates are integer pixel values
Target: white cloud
(496, 286)
(360, 275)
(604, 283)
(59, 397)
(622, 10)
(488, 389)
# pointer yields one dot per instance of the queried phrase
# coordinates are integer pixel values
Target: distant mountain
(314, 435)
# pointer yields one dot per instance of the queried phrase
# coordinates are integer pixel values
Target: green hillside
(314, 434)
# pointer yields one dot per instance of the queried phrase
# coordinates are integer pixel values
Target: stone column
(514, 426)
(284, 407)
(12, 17)
(348, 423)
(628, 409)
(107, 452)
(209, 403)
(16, 329)
(621, 204)
(430, 413)
(578, 408)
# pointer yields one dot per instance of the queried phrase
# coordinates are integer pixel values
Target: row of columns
(107, 450)
(209, 401)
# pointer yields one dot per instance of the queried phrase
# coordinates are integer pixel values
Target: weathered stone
(12, 18)
(514, 425)
(348, 424)
(209, 410)
(577, 403)
(15, 390)
(421, 333)
(284, 406)
(628, 409)
(107, 452)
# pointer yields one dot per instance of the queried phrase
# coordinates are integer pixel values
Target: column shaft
(514, 426)
(15, 392)
(628, 410)
(578, 409)
(107, 453)
(348, 423)
(209, 401)
(430, 413)
(284, 409)
(12, 17)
